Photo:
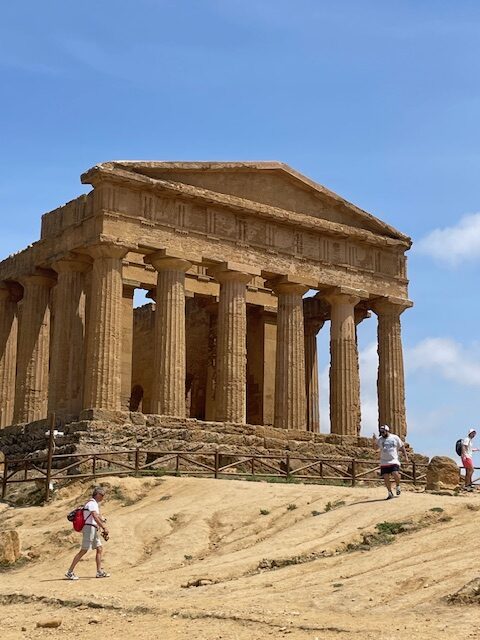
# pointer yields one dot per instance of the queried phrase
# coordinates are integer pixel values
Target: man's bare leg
(468, 476)
(388, 482)
(396, 477)
(98, 558)
(77, 559)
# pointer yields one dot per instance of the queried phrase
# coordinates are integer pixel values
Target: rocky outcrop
(9, 547)
(442, 473)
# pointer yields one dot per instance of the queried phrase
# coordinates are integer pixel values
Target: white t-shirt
(389, 447)
(89, 508)
(467, 443)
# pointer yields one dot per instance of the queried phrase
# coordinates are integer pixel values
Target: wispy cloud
(441, 357)
(446, 358)
(453, 245)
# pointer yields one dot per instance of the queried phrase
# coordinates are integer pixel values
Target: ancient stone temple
(245, 263)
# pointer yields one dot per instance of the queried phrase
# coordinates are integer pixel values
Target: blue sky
(377, 100)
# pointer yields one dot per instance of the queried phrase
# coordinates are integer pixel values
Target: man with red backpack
(93, 522)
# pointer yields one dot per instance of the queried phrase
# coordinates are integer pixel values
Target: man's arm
(99, 521)
(464, 449)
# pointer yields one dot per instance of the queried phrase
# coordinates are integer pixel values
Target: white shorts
(90, 539)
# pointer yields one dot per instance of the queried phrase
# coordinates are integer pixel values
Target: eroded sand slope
(288, 572)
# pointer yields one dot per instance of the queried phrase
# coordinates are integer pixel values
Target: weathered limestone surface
(31, 391)
(9, 547)
(8, 353)
(231, 358)
(67, 361)
(168, 397)
(344, 379)
(103, 365)
(442, 473)
(127, 344)
(290, 399)
(312, 327)
(227, 250)
(391, 378)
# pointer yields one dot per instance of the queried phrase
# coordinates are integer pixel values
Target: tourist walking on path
(389, 445)
(90, 537)
(467, 458)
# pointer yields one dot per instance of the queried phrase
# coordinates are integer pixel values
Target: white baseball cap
(384, 427)
(472, 431)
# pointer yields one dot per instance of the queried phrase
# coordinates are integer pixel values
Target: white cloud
(441, 357)
(453, 245)
(447, 358)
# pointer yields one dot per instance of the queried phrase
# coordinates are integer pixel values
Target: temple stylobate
(245, 263)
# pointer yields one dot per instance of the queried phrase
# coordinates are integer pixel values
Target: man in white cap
(389, 445)
(467, 458)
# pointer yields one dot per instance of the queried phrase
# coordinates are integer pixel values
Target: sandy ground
(169, 532)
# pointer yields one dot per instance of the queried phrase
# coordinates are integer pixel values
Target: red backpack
(77, 518)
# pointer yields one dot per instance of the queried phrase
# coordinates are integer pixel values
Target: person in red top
(90, 538)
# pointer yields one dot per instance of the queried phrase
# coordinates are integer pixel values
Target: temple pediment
(269, 183)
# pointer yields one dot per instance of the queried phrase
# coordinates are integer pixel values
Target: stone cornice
(282, 168)
(113, 175)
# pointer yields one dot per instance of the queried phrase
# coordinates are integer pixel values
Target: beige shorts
(90, 539)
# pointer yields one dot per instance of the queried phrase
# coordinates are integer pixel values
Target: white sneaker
(390, 496)
(102, 574)
(398, 491)
(71, 576)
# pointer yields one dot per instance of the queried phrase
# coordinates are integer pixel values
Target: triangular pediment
(270, 183)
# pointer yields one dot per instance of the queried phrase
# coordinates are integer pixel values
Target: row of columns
(91, 360)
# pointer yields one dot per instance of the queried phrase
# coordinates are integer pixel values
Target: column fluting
(290, 387)
(312, 327)
(31, 388)
(231, 357)
(168, 395)
(344, 372)
(67, 359)
(391, 376)
(104, 352)
(8, 353)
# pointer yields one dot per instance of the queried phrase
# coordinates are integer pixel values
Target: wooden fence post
(5, 474)
(137, 461)
(287, 463)
(51, 438)
(414, 472)
(217, 463)
(354, 470)
(177, 464)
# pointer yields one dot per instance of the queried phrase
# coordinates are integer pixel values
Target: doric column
(67, 359)
(31, 389)
(360, 314)
(168, 395)
(344, 374)
(290, 387)
(104, 349)
(312, 327)
(8, 353)
(127, 342)
(391, 380)
(231, 358)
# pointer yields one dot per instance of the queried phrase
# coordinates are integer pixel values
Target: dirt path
(274, 560)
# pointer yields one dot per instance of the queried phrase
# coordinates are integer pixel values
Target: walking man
(467, 458)
(389, 445)
(90, 538)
